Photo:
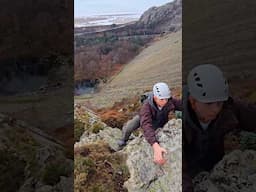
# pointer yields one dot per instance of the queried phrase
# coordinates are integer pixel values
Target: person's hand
(158, 154)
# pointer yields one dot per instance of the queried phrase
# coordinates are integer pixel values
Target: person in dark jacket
(209, 114)
(153, 114)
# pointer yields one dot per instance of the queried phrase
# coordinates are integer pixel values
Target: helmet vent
(199, 85)
(197, 79)
(195, 74)
(204, 94)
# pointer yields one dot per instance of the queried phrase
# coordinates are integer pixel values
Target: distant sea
(107, 19)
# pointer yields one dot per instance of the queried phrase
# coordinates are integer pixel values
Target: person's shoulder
(145, 104)
(145, 108)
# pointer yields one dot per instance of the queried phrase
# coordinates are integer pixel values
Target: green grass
(96, 127)
(78, 129)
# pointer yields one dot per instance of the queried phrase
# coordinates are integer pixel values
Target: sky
(100, 7)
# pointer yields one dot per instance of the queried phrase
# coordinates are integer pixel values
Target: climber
(209, 114)
(152, 115)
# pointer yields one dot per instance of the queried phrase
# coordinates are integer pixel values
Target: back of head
(206, 83)
(161, 90)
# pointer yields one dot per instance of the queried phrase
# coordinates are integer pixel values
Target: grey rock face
(145, 175)
(164, 18)
(236, 172)
(108, 134)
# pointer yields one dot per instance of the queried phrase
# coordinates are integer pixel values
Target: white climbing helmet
(161, 91)
(206, 83)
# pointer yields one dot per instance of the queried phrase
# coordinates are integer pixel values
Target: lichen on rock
(145, 174)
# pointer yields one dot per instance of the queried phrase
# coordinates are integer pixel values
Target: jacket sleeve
(146, 124)
(246, 114)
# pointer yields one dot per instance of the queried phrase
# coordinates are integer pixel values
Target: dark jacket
(152, 118)
(202, 149)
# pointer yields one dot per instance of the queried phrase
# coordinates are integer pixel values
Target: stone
(236, 172)
(145, 175)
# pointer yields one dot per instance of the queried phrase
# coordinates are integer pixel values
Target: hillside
(32, 29)
(100, 52)
(222, 34)
(160, 61)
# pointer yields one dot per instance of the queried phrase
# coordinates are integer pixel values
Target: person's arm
(146, 124)
(149, 133)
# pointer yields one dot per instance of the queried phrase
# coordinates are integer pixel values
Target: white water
(105, 20)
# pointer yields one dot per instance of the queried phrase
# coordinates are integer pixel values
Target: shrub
(53, 171)
(96, 127)
(79, 129)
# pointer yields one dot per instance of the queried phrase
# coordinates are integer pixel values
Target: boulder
(145, 175)
(236, 172)
(108, 134)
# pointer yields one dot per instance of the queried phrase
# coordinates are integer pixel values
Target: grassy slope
(161, 61)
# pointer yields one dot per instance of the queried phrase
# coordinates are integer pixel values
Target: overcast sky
(98, 7)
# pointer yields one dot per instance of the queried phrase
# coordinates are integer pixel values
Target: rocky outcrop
(32, 160)
(236, 172)
(108, 135)
(145, 175)
(161, 19)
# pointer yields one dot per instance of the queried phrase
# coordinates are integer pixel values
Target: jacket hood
(151, 100)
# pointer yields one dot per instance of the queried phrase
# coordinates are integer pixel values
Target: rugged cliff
(166, 18)
(136, 170)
